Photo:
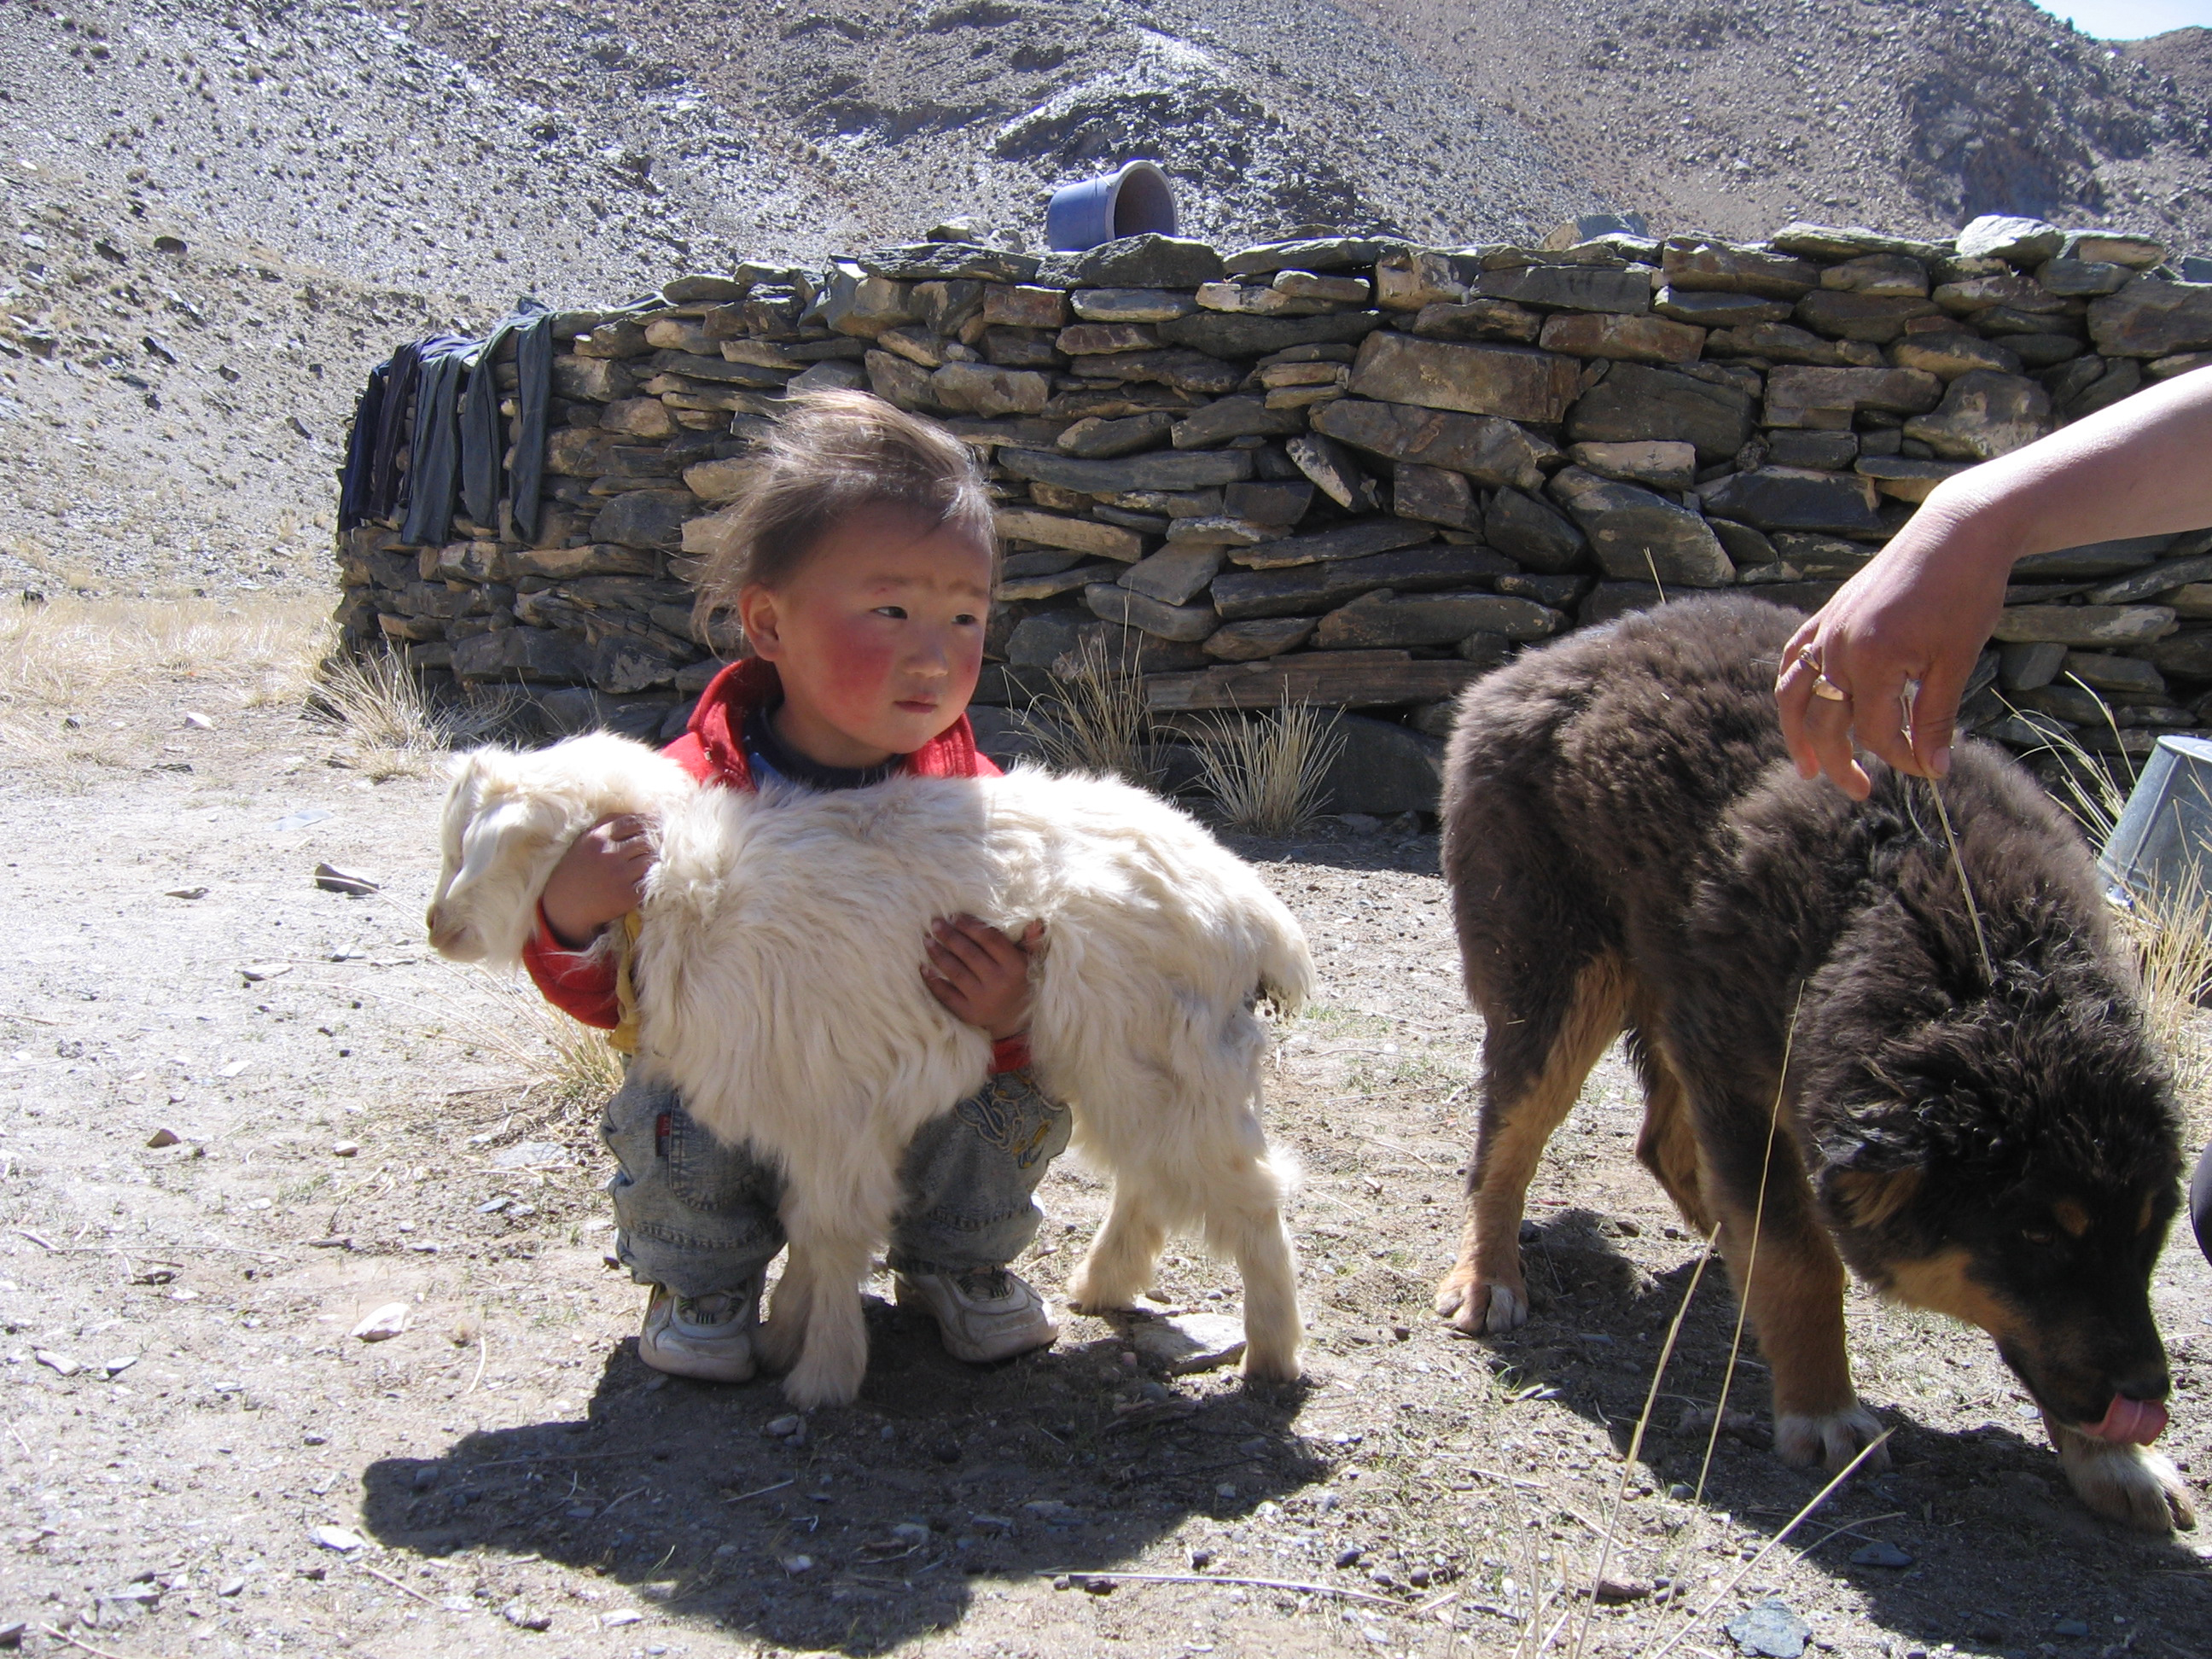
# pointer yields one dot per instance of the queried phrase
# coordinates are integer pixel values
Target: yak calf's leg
(1526, 1096)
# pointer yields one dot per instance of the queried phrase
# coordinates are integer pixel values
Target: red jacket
(712, 750)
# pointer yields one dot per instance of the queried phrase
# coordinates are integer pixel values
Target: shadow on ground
(868, 1528)
(1598, 1327)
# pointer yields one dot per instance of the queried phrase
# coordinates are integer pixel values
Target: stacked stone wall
(1353, 470)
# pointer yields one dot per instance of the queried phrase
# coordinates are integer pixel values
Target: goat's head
(498, 840)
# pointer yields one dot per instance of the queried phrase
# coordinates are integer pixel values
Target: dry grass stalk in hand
(1098, 723)
(1265, 774)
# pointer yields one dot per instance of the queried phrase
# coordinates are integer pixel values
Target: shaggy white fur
(778, 971)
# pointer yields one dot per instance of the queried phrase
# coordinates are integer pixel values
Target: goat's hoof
(1831, 1440)
(1085, 1298)
(1271, 1368)
(811, 1385)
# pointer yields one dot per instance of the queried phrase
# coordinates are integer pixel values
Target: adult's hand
(1885, 661)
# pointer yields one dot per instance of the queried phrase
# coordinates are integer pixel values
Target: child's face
(877, 638)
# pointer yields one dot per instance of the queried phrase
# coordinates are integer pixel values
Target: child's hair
(833, 454)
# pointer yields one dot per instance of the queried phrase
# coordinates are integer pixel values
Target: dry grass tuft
(1265, 774)
(66, 653)
(401, 727)
(554, 1063)
(2171, 933)
(75, 659)
(1098, 723)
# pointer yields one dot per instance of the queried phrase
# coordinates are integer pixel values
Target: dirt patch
(186, 1408)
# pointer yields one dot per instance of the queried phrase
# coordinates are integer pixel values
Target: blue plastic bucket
(2162, 845)
(1136, 200)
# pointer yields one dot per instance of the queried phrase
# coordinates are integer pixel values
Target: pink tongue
(2130, 1422)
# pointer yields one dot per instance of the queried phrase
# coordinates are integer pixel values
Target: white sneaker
(980, 1316)
(707, 1337)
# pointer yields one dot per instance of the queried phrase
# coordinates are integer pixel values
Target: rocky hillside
(342, 175)
(1915, 117)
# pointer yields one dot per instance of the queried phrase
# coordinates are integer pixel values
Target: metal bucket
(2162, 847)
(1136, 200)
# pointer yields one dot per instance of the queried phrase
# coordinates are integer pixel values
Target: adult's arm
(1923, 608)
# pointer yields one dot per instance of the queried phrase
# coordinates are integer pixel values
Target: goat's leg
(833, 1227)
(783, 1331)
(1244, 1220)
(834, 1357)
(1120, 1267)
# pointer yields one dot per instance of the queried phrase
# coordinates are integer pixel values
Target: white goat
(778, 974)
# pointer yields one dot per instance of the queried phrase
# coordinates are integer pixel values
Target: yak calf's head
(2014, 1161)
(498, 841)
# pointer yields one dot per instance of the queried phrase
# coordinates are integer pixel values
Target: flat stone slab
(1488, 448)
(1193, 469)
(1511, 381)
(2085, 624)
(1769, 1631)
(1188, 1343)
(1636, 404)
(2151, 318)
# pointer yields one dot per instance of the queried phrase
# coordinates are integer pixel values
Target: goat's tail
(1286, 964)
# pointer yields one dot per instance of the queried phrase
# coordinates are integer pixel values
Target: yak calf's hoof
(1832, 1441)
(1477, 1308)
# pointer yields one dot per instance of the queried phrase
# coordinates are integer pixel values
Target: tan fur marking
(1873, 1199)
(1795, 1295)
(2150, 1210)
(2070, 1216)
(1941, 1284)
(1514, 1132)
(1667, 1145)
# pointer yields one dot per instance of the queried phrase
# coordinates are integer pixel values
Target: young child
(860, 565)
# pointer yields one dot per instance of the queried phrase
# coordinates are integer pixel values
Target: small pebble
(346, 1149)
(336, 1538)
(1880, 1554)
(383, 1324)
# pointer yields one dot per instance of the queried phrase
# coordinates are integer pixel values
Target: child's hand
(600, 878)
(980, 974)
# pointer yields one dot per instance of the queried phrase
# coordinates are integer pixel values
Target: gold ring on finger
(1825, 688)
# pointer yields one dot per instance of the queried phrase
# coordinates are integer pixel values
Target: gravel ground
(186, 1408)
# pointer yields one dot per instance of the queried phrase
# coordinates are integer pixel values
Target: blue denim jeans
(700, 1217)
